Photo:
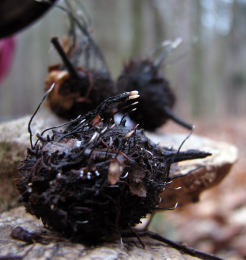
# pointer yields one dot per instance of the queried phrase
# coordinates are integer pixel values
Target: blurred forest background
(208, 71)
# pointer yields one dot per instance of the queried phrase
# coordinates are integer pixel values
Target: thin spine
(170, 47)
(36, 111)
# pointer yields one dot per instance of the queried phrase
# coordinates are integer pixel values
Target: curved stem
(36, 111)
(176, 119)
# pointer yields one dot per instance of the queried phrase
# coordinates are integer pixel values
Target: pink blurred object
(7, 49)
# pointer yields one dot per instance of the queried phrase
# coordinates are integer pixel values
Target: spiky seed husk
(96, 178)
(156, 97)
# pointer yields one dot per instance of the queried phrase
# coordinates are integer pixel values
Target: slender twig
(187, 173)
(185, 249)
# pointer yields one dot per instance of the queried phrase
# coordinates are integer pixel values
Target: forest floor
(217, 223)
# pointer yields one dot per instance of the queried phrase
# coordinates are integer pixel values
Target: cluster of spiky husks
(79, 89)
(96, 178)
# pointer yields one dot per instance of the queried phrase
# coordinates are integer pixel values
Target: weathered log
(59, 248)
(14, 140)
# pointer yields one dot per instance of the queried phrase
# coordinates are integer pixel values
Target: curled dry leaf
(198, 175)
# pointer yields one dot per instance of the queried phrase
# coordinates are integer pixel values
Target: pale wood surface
(55, 249)
(14, 140)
